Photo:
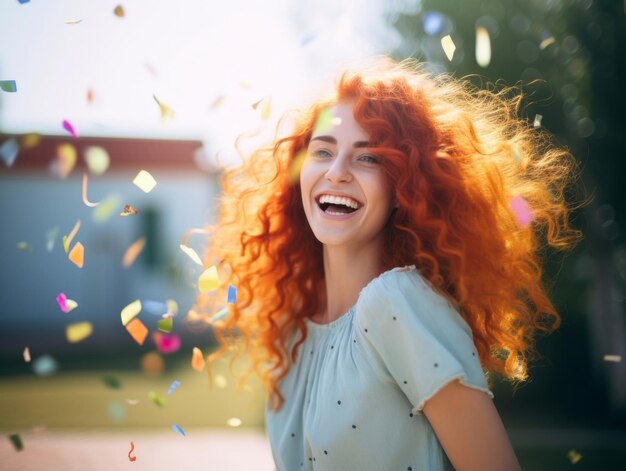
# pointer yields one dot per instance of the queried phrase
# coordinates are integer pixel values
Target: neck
(347, 271)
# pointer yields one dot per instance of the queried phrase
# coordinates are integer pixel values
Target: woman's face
(345, 193)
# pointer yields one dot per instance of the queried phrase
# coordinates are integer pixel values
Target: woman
(386, 255)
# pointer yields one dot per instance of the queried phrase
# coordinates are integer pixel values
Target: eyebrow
(332, 140)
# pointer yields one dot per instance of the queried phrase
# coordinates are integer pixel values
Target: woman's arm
(470, 430)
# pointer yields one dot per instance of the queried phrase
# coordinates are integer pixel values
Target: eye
(369, 159)
(321, 153)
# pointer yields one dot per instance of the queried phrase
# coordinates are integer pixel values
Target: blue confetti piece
(178, 430)
(9, 150)
(220, 314)
(232, 294)
(156, 308)
(306, 39)
(45, 366)
(8, 85)
(433, 23)
(173, 386)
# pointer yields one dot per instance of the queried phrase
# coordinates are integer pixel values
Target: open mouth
(331, 204)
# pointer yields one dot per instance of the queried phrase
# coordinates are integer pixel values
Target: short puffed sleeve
(416, 336)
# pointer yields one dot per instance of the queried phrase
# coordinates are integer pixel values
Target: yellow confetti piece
(448, 46)
(233, 422)
(613, 358)
(166, 111)
(145, 181)
(324, 122)
(158, 400)
(546, 42)
(483, 47)
(133, 252)
(119, 11)
(296, 166)
(26, 355)
(208, 281)
(137, 330)
(78, 332)
(77, 255)
(106, 208)
(220, 381)
(85, 200)
(67, 240)
(30, 140)
(97, 159)
(191, 253)
(65, 160)
(172, 306)
(131, 311)
(197, 360)
(574, 456)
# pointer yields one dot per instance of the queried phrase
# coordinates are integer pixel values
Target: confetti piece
(197, 360)
(137, 330)
(448, 46)
(64, 162)
(166, 343)
(537, 121)
(232, 294)
(613, 358)
(69, 127)
(216, 102)
(77, 255)
(208, 281)
(233, 422)
(166, 111)
(61, 298)
(112, 382)
(325, 121)
(156, 308)
(71, 305)
(172, 306)
(307, 38)
(152, 364)
(220, 381)
(145, 181)
(220, 314)
(521, 210)
(165, 325)
(173, 386)
(23, 1)
(130, 311)
(45, 366)
(133, 251)
(9, 150)
(158, 400)
(8, 86)
(85, 200)
(90, 96)
(68, 240)
(574, 456)
(483, 47)
(119, 11)
(78, 331)
(31, 140)
(191, 253)
(128, 210)
(132, 447)
(51, 237)
(23, 246)
(116, 411)
(296, 166)
(73, 22)
(26, 355)
(132, 402)
(16, 440)
(178, 430)
(97, 159)
(546, 42)
(265, 105)
(106, 208)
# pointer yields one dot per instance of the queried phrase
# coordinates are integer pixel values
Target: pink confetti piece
(166, 343)
(61, 300)
(26, 355)
(521, 210)
(70, 128)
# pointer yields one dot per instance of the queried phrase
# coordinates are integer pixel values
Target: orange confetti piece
(132, 447)
(77, 255)
(133, 252)
(197, 360)
(119, 11)
(137, 330)
(90, 96)
(85, 200)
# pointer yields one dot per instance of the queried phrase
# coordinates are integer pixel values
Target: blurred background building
(167, 87)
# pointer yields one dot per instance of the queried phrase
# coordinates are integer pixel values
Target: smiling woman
(372, 300)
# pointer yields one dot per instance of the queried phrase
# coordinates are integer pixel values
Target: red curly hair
(456, 156)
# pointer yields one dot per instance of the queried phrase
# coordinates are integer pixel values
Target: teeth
(349, 202)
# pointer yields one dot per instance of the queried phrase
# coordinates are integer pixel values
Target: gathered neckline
(335, 323)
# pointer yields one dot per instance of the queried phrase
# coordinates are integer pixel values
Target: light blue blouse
(354, 396)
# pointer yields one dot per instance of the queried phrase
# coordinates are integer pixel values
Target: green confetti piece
(165, 325)
(8, 86)
(158, 400)
(17, 442)
(324, 121)
(112, 382)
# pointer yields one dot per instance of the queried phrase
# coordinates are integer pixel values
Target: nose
(339, 170)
